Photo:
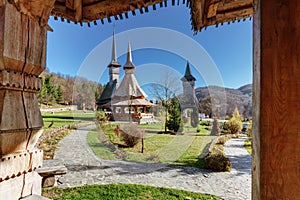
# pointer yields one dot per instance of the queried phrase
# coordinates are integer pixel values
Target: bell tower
(114, 65)
(188, 83)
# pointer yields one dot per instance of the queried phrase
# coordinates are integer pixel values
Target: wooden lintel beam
(78, 10)
(234, 5)
(104, 9)
(70, 4)
(229, 16)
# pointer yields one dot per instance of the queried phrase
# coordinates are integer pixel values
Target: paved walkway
(85, 168)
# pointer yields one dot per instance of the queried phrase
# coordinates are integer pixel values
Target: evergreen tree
(58, 94)
(47, 93)
(174, 122)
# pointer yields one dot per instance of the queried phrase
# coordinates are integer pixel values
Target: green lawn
(60, 119)
(121, 192)
(99, 148)
(163, 148)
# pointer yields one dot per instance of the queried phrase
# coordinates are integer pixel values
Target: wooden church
(125, 101)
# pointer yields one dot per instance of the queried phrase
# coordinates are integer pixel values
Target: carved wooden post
(276, 98)
(22, 59)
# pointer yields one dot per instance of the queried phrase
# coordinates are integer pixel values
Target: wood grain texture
(256, 104)
(280, 99)
(22, 59)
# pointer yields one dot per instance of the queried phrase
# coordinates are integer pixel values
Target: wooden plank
(279, 99)
(54, 170)
(256, 105)
(15, 39)
(70, 4)
(235, 5)
(103, 9)
(2, 17)
(78, 8)
(36, 51)
(197, 13)
(212, 10)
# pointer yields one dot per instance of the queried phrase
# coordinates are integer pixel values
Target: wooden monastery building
(276, 83)
(125, 101)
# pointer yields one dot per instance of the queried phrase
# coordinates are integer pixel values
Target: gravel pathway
(85, 168)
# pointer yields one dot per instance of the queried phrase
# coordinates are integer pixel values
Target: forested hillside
(222, 101)
(67, 90)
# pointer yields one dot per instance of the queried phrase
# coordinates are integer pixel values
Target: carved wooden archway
(23, 27)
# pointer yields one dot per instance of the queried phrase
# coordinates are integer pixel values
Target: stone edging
(62, 128)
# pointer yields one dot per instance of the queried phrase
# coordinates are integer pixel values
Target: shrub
(131, 134)
(217, 162)
(221, 140)
(235, 125)
(101, 117)
(205, 123)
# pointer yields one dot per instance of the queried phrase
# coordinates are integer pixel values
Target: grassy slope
(120, 192)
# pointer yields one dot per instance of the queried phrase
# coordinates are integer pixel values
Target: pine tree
(47, 93)
(174, 122)
(58, 94)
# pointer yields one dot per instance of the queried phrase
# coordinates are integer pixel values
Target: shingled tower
(188, 83)
(114, 71)
(188, 99)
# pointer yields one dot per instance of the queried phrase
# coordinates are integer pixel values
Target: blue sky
(223, 54)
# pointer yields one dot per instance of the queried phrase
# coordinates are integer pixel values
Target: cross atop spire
(129, 64)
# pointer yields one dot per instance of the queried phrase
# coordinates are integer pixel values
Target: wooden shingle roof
(203, 12)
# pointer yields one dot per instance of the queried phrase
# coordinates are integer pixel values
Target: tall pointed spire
(188, 75)
(129, 64)
(114, 58)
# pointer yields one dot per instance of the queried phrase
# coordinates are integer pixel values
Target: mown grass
(99, 148)
(157, 126)
(194, 155)
(121, 192)
(59, 119)
(162, 148)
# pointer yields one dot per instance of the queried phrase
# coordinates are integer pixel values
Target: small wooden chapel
(276, 83)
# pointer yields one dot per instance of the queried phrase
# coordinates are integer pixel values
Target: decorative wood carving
(22, 59)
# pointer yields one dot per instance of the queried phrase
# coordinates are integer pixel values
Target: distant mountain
(215, 100)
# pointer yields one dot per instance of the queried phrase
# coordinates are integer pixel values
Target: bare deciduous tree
(166, 89)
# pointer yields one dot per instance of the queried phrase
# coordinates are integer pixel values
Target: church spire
(114, 58)
(188, 75)
(129, 64)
